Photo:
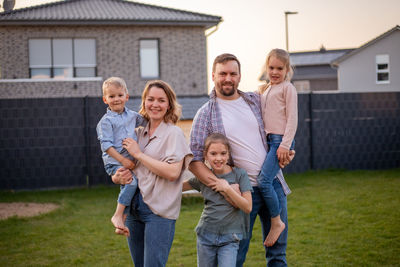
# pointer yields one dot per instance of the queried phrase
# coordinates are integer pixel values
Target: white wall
(358, 72)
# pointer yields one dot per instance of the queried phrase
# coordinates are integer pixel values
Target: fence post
(310, 110)
(87, 139)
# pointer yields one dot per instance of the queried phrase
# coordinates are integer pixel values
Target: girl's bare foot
(277, 227)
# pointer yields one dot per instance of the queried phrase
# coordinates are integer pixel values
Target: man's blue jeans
(151, 236)
(275, 255)
(217, 250)
(268, 173)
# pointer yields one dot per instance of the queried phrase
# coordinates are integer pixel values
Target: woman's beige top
(279, 111)
(167, 144)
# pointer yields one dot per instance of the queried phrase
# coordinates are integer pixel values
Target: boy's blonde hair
(283, 56)
(174, 111)
(116, 81)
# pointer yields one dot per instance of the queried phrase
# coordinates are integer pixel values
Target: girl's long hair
(283, 56)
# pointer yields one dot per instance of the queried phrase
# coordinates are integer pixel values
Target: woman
(162, 154)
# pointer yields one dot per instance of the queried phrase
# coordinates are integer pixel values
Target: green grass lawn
(336, 218)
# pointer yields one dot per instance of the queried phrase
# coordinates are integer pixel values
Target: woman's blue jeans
(217, 250)
(268, 173)
(151, 235)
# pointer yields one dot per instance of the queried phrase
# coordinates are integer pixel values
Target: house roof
(314, 72)
(190, 104)
(336, 62)
(104, 12)
(320, 57)
(313, 64)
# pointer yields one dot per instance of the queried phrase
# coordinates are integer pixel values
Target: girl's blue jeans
(268, 173)
(217, 250)
(151, 235)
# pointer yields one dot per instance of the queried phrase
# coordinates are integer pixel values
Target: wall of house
(358, 72)
(328, 84)
(183, 59)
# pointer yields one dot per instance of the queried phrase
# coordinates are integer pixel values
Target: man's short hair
(223, 58)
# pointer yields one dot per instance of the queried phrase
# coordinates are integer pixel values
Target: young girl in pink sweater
(279, 112)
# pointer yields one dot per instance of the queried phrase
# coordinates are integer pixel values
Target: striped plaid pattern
(208, 120)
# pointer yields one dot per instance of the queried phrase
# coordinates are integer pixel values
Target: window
(62, 58)
(382, 69)
(149, 59)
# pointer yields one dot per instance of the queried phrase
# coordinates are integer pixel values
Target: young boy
(117, 124)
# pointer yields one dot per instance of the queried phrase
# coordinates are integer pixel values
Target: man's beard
(231, 92)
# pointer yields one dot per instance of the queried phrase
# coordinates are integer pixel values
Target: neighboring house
(68, 48)
(373, 67)
(313, 70)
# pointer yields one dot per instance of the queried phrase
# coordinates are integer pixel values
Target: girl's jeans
(217, 250)
(268, 172)
(151, 235)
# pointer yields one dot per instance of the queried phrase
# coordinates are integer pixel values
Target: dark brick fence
(52, 143)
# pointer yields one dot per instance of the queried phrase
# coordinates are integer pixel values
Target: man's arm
(207, 177)
(202, 172)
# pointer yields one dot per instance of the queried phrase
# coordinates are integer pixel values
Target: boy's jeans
(127, 191)
(217, 250)
(268, 172)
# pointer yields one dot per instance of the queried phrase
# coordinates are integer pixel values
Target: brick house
(67, 48)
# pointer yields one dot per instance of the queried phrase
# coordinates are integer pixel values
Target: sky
(251, 28)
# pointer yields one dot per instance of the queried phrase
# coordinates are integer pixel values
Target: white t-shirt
(242, 130)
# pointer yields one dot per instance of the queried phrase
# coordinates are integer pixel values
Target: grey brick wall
(183, 58)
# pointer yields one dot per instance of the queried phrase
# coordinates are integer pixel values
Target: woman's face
(156, 104)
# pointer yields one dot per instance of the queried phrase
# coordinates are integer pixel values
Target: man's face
(226, 79)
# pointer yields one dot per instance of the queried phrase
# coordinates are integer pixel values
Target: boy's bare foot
(277, 227)
(124, 231)
(119, 224)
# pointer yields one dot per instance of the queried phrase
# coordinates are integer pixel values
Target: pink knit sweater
(279, 111)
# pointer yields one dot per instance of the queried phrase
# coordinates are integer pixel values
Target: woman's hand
(132, 147)
(122, 176)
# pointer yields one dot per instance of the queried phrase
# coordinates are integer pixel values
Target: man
(237, 115)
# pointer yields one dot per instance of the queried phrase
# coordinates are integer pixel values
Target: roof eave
(106, 22)
(339, 60)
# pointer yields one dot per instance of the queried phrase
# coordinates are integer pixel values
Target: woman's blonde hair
(174, 110)
(283, 56)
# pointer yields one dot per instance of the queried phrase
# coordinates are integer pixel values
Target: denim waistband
(274, 137)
